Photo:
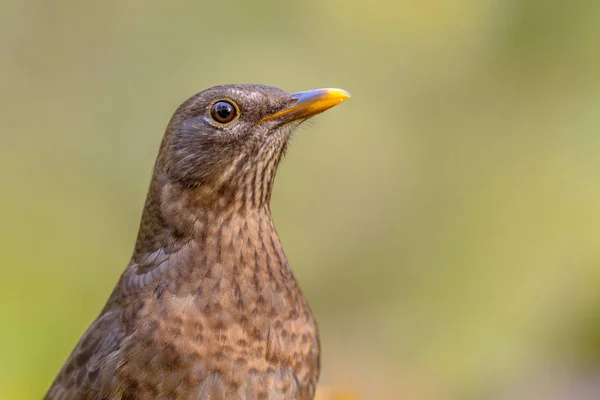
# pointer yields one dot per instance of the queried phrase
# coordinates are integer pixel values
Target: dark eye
(223, 112)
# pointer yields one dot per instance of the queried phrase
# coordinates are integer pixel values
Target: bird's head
(228, 140)
(220, 154)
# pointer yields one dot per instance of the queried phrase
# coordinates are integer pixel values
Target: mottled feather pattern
(208, 307)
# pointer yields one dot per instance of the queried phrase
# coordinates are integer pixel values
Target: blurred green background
(444, 223)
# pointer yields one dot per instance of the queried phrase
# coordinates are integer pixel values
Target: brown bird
(208, 307)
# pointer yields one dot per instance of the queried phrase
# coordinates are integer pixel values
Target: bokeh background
(444, 223)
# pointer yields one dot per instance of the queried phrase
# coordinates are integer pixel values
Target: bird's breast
(228, 314)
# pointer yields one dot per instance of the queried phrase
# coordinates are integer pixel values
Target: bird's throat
(236, 235)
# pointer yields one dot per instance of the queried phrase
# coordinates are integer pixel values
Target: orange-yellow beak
(309, 103)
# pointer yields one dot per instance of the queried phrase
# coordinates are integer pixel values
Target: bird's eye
(223, 112)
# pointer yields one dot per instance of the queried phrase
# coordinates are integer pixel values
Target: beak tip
(340, 94)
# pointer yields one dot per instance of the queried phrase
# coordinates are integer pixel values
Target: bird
(208, 307)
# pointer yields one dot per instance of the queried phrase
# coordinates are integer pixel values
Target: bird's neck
(175, 214)
(231, 256)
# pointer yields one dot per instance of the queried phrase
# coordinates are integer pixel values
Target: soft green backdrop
(444, 223)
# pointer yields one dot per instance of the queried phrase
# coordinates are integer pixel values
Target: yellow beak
(309, 103)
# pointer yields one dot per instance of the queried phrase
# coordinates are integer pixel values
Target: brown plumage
(208, 307)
